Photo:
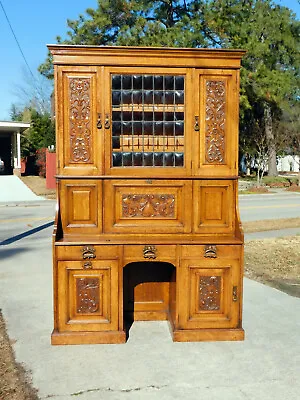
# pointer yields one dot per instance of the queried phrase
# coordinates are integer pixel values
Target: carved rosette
(87, 295)
(215, 122)
(209, 293)
(148, 205)
(80, 119)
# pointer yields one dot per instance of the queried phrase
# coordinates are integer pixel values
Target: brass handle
(196, 126)
(107, 123)
(99, 122)
(88, 252)
(149, 252)
(234, 294)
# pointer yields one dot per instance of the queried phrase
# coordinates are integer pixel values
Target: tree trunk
(272, 167)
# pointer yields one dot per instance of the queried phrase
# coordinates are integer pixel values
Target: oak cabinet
(147, 224)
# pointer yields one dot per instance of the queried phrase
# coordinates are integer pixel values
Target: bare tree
(34, 92)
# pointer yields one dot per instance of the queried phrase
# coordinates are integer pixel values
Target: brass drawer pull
(149, 252)
(210, 251)
(88, 252)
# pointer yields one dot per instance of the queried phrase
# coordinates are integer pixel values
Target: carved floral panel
(148, 205)
(80, 119)
(209, 293)
(87, 295)
(215, 119)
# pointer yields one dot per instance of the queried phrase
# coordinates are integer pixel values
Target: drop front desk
(147, 224)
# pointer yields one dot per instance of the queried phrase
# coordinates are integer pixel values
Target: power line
(11, 28)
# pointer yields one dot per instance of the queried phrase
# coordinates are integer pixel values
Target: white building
(288, 164)
(10, 145)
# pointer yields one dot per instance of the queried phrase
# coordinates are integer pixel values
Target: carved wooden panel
(214, 206)
(134, 206)
(80, 205)
(215, 118)
(87, 295)
(148, 206)
(90, 295)
(215, 139)
(80, 120)
(78, 139)
(208, 284)
(209, 293)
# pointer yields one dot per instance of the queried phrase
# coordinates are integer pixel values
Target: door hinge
(235, 293)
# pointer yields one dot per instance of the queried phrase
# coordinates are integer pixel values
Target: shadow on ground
(25, 234)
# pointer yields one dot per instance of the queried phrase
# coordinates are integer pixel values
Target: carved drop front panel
(147, 206)
(80, 139)
(90, 295)
(217, 111)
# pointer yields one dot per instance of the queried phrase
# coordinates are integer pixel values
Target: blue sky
(37, 23)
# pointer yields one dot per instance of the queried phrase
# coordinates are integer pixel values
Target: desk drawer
(211, 251)
(87, 252)
(149, 253)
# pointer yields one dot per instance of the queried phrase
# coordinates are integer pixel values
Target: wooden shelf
(149, 143)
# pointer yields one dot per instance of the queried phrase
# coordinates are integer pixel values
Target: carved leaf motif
(148, 205)
(87, 291)
(209, 293)
(80, 132)
(215, 122)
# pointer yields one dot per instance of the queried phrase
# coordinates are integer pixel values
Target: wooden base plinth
(112, 337)
(208, 335)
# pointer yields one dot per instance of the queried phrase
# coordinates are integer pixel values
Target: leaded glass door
(147, 121)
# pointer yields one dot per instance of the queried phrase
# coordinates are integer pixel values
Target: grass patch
(271, 224)
(275, 262)
(38, 185)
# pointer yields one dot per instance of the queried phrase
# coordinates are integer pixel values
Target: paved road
(269, 206)
(24, 220)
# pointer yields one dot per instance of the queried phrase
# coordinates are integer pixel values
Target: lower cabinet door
(88, 295)
(209, 294)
